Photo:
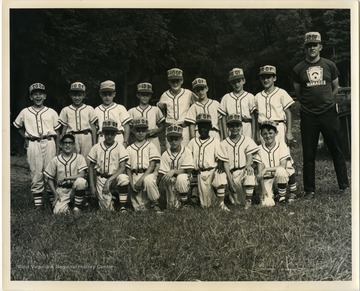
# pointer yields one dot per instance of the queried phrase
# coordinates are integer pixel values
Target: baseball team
(213, 149)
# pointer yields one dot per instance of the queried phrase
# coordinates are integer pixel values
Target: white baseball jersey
(235, 153)
(153, 115)
(273, 157)
(211, 107)
(204, 152)
(115, 111)
(182, 160)
(232, 104)
(177, 106)
(60, 167)
(107, 159)
(38, 123)
(140, 157)
(77, 118)
(273, 106)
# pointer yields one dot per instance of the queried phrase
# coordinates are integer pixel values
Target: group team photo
(181, 145)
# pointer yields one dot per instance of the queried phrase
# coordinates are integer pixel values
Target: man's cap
(175, 73)
(140, 122)
(235, 73)
(203, 117)
(109, 124)
(234, 118)
(174, 130)
(145, 87)
(267, 70)
(268, 124)
(199, 82)
(312, 37)
(67, 135)
(77, 86)
(36, 86)
(107, 86)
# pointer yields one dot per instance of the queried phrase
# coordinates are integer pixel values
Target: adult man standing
(315, 81)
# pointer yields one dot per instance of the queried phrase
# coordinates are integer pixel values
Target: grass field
(304, 241)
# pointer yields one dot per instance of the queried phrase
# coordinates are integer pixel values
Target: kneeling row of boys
(138, 170)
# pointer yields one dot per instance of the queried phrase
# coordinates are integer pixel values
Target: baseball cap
(107, 86)
(312, 37)
(234, 118)
(203, 117)
(67, 135)
(235, 73)
(77, 86)
(267, 70)
(144, 87)
(109, 124)
(199, 82)
(175, 73)
(174, 130)
(140, 122)
(36, 86)
(268, 124)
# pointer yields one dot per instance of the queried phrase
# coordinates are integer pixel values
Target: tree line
(128, 46)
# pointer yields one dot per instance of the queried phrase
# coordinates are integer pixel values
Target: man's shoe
(309, 195)
(346, 191)
(282, 199)
(223, 207)
(157, 210)
(247, 204)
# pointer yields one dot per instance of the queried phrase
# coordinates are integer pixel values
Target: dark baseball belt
(138, 171)
(86, 131)
(103, 175)
(244, 119)
(203, 170)
(66, 185)
(48, 137)
(235, 169)
(277, 121)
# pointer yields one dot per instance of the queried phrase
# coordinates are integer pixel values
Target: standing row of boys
(96, 141)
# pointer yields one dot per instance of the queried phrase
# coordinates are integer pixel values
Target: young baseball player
(203, 105)
(107, 169)
(79, 119)
(143, 156)
(111, 110)
(152, 114)
(39, 126)
(274, 104)
(176, 165)
(275, 167)
(204, 149)
(176, 102)
(236, 151)
(66, 176)
(238, 102)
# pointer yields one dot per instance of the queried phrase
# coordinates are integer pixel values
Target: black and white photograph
(164, 145)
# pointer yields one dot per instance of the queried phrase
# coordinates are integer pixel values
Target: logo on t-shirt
(315, 76)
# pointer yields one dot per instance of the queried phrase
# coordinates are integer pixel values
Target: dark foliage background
(60, 46)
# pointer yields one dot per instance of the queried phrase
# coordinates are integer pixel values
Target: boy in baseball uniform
(275, 167)
(176, 102)
(79, 119)
(274, 104)
(238, 102)
(66, 176)
(152, 114)
(107, 169)
(143, 157)
(203, 105)
(39, 126)
(236, 151)
(111, 110)
(176, 165)
(204, 149)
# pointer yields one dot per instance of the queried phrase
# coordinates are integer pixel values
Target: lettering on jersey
(315, 76)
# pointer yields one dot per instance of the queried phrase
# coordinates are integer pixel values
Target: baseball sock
(184, 197)
(38, 199)
(281, 189)
(51, 197)
(292, 185)
(249, 190)
(123, 195)
(79, 197)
